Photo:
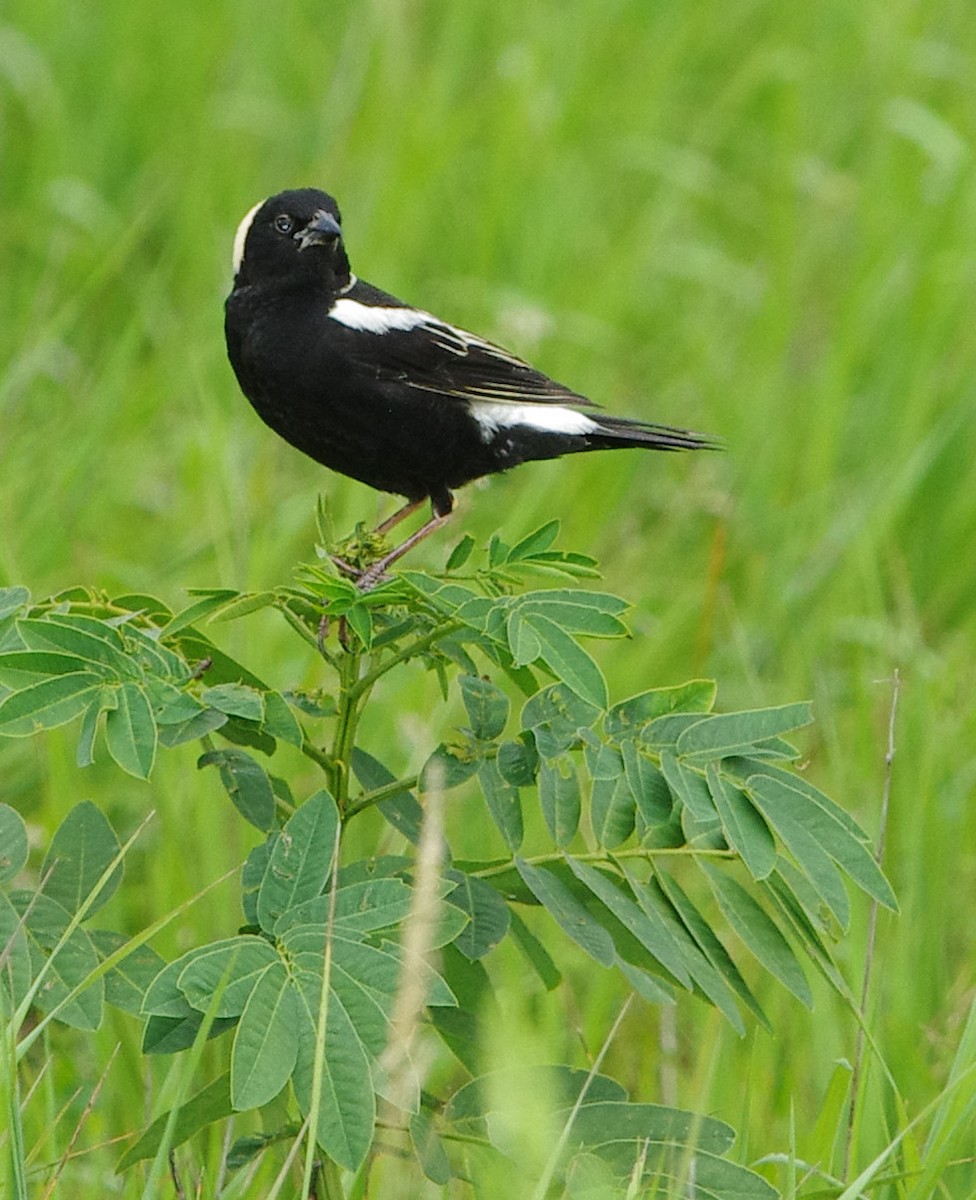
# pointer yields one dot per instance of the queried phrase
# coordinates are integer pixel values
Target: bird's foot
(355, 555)
(365, 556)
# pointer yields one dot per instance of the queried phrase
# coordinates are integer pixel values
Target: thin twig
(49, 1190)
(542, 1187)
(858, 1067)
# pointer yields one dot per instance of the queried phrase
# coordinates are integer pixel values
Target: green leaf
(734, 733)
(211, 1104)
(266, 1042)
(571, 615)
(208, 720)
(689, 787)
(747, 832)
(49, 703)
(301, 858)
(130, 731)
(838, 835)
(645, 925)
(428, 1148)
(652, 989)
(13, 842)
(81, 850)
(486, 706)
(537, 542)
(459, 1027)
(598, 1122)
(85, 749)
(518, 762)
(559, 797)
(503, 802)
(647, 785)
(710, 1176)
(16, 971)
(487, 911)
(163, 997)
(144, 648)
(523, 643)
(631, 715)
(212, 602)
(13, 599)
(612, 812)
(556, 715)
(743, 768)
(568, 661)
(763, 937)
(242, 606)
(247, 784)
(361, 623)
(85, 637)
(568, 913)
(171, 705)
(233, 966)
(536, 954)
(461, 553)
(663, 732)
(368, 905)
(170, 1035)
(365, 980)
(236, 700)
(20, 668)
(127, 982)
(447, 768)
(347, 1107)
(280, 721)
(402, 809)
(706, 979)
(72, 966)
(711, 947)
(789, 813)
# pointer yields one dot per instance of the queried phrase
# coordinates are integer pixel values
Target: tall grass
(755, 219)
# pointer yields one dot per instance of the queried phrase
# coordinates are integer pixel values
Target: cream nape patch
(240, 237)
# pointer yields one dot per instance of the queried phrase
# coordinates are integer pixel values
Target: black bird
(384, 392)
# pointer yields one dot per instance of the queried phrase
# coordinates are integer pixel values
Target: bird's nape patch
(240, 237)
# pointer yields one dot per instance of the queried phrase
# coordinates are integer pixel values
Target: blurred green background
(755, 219)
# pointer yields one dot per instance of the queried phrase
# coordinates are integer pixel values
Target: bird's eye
(283, 223)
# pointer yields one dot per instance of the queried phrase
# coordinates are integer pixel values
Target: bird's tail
(616, 432)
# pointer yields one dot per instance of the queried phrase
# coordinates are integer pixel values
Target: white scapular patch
(550, 418)
(241, 236)
(375, 318)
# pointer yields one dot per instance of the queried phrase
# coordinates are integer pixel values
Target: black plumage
(384, 392)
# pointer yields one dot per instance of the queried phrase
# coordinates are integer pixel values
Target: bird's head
(294, 234)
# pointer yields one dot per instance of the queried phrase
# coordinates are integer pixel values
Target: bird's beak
(320, 231)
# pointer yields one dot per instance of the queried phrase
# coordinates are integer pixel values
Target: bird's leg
(398, 516)
(347, 566)
(375, 571)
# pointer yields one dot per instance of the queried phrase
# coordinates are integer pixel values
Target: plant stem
(344, 740)
(378, 795)
(418, 646)
(598, 856)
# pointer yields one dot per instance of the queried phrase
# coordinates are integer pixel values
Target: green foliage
(642, 829)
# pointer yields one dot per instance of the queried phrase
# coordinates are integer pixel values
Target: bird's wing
(419, 350)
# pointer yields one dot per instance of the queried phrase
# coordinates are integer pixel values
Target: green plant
(656, 824)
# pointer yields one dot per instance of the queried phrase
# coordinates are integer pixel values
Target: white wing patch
(550, 418)
(375, 318)
(241, 236)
